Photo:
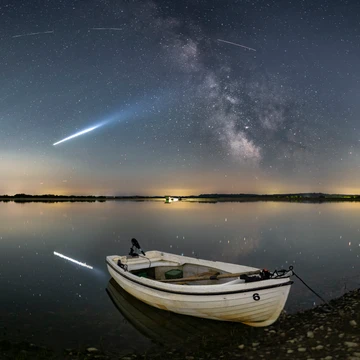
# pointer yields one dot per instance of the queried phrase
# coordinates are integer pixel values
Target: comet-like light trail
(77, 134)
(232, 43)
(118, 116)
(73, 260)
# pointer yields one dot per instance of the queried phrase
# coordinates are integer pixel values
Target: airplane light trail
(229, 42)
(77, 134)
(35, 33)
(72, 260)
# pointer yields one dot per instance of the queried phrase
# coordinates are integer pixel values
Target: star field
(187, 97)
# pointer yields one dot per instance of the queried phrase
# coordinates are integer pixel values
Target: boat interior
(155, 266)
(188, 272)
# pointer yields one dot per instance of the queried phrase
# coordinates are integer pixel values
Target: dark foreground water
(48, 300)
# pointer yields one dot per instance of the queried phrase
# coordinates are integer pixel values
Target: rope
(313, 291)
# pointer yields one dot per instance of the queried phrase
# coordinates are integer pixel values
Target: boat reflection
(164, 327)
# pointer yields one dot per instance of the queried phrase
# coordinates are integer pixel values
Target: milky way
(222, 93)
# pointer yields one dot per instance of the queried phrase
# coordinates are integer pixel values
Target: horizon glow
(73, 260)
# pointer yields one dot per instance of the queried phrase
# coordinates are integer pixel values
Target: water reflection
(167, 328)
(73, 260)
(44, 298)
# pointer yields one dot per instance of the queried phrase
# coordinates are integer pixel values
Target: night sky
(183, 97)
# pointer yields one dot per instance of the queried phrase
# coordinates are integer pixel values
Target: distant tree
(22, 195)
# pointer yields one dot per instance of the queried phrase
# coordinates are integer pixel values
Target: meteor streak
(77, 134)
(35, 33)
(72, 260)
(110, 28)
(229, 42)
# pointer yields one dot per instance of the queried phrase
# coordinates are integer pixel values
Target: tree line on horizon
(294, 196)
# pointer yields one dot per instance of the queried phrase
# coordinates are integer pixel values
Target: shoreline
(320, 333)
(203, 198)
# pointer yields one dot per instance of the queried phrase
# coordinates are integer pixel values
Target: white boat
(206, 289)
(164, 327)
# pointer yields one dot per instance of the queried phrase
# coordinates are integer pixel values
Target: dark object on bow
(135, 244)
(263, 275)
(123, 266)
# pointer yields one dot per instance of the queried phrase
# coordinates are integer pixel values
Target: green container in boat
(174, 274)
(142, 274)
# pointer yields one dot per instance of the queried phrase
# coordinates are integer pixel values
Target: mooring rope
(312, 290)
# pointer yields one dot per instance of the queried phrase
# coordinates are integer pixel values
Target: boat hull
(255, 304)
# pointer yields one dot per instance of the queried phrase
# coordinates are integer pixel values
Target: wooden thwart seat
(215, 276)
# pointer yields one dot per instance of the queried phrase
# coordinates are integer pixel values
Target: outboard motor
(135, 244)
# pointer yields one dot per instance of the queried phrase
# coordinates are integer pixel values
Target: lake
(52, 301)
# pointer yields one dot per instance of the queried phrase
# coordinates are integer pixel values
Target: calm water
(49, 300)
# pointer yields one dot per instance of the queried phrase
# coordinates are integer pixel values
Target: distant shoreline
(205, 198)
